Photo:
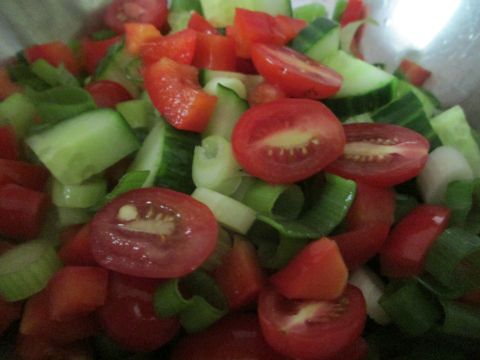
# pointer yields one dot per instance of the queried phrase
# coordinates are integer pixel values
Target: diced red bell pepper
(198, 23)
(138, 33)
(78, 250)
(30, 176)
(290, 26)
(353, 12)
(214, 52)
(92, 51)
(55, 53)
(240, 275)
(9, 145)
(176, 93)
(414, 73)
(7, 86)
(76, 291)
(22, 211)
(179, 47)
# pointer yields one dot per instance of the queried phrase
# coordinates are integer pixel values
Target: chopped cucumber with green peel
(85, 145)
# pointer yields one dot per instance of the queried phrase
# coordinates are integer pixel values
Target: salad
(203, 179)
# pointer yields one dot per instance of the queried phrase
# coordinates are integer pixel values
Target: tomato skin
(295, 73)
(119, 12)
(55, 53)
(414, 73)
(198, 23)
(215, 52)
(353, 12)
(175, 91)
(312, 337)
(317, 272)
(9, 144)
(135, 245)
(107, 93)
(128, 316)
(405, 249)
(315, 134)
(30, 176)
(404, 154)
(265, 92)
(235, 336)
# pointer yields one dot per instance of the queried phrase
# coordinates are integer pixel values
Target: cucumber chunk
(80, 147)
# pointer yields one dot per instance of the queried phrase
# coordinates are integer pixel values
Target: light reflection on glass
(419, 21)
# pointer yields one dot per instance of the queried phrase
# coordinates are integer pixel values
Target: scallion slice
(26, 269)
(454, 260)
(53, 76)
(463, 197)
(460, 319)
(196, 299)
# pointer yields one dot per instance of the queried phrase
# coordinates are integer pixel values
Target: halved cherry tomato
(240, 275)
(309, 329)
(77, 250)
(235, 336)
(317, 272)
(108, 93)
(28, 175)
(288, 140)
(9, 312)
(153, 232)
(128, 316)
(295, 73)
(92, 51)
(381, 154)
(55, 53)
(179, 46)
(175, 91)
(119, 12)
(406, 248)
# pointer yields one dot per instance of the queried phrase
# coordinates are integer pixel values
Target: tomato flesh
(308, 329)
(288, 140)
(380, 154)
(153, 232)
(295, 73)
(107, 93)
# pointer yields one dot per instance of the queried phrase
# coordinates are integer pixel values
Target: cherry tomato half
(153, 232)
(308, 329)
(119, 12)
(295, 73)
(381, 154)
(288, 140)
(128, 316)
(236, 336)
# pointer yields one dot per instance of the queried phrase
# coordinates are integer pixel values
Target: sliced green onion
(53, 76)
(403, 204)
(204, 304)
(129, 181)
(84, 195)
(231, 213)
(460, 319)
(60, 103)
(327, 211)
(26, 269)
(411, 306)
(445, 164)
(373, 289)
(18, 110)
(283, 200)
(463, 197)
(277, 254)
(454, 260)
(224, 245)
(214, 166)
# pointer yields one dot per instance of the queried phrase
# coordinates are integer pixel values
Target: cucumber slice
(220, 13)
(365, 87)
(119, 66)
(319, 39)
(228, 110)
(206, 76)
(167, 153)
(18, 110)
(454, 130)
(80, 147)
(83, 195)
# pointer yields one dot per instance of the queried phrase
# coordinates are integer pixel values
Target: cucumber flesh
(167, 153)
(80, 147)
